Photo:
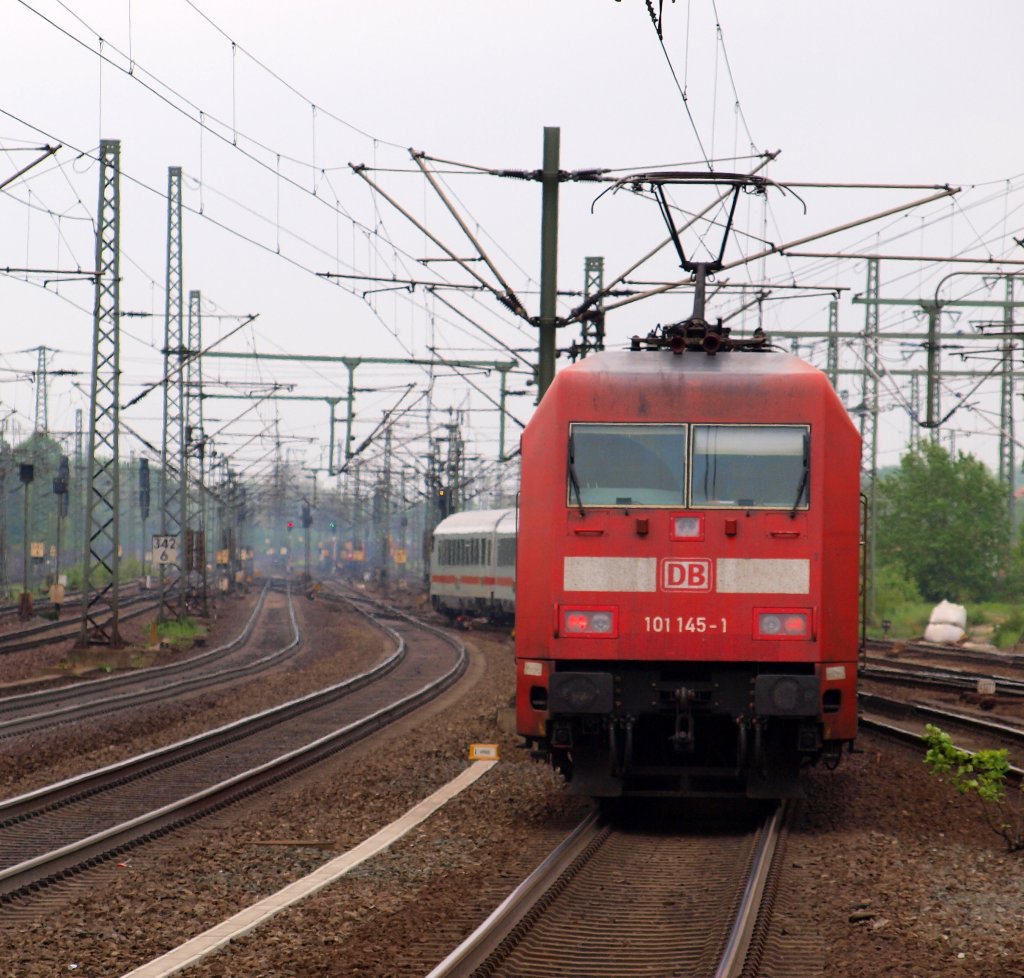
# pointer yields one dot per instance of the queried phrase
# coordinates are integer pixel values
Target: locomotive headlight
(590, 622)
(687, 528)
(769, 624)
(782, 624)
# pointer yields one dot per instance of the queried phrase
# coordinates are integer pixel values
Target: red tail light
(589, 622)
(783, 624)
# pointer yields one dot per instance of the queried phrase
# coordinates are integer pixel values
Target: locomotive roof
(745, 363)
(660, 376)
(477, 521)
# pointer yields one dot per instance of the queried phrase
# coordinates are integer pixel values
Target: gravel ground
(890, 871)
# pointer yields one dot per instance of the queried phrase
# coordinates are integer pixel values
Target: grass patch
(908, 621)
(180, 632)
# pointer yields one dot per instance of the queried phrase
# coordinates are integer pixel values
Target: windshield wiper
(573, 479)
(803, 478)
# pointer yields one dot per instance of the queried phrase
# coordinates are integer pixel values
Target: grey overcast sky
(265, 105)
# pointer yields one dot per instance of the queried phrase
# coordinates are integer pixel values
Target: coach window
(627, 464)
(506, 552)
(755, 466)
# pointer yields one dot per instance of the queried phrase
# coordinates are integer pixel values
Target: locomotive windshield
(628, 464)
(759, 466)
(737, 466)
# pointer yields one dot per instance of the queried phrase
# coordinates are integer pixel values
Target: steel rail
(924, 675)
(18, 700)
(71, 599)
(37, 635)
(127, 700)
(956, 652)
(914, 739)
(479, 945)
(530, 897)
(935, 713)
(738, 945)
(21, 878)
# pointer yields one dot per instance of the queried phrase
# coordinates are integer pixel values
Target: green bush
(981, 775)
(898, 601)
(894, 589)
(1007, 621)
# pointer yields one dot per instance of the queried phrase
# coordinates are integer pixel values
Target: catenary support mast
(100, 582)
(171, 484)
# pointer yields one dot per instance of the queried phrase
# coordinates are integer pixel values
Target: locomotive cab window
(750, 466)
(627, 464)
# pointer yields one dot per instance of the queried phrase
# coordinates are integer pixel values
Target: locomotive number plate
(675, 624)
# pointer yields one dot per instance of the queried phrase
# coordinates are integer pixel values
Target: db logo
(685, 575)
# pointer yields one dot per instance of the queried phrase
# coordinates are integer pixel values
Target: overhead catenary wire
(382, 310)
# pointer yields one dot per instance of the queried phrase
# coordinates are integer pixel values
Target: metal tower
(81, 489)
(1007, 462)
(193, 470)
(6, 463)
(832, 356)
(869, 419)
(102, 533)
(172, 445)
(42, 419)
(592, 326)
(914, 438)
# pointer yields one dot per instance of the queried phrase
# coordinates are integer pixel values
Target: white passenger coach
(473, 564)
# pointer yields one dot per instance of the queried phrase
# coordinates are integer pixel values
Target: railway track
(622, 900)
(888, 648)
(905, 722)
(51, 707)
(68, 627)
(72, 599)
(60, 830)
(921, 674)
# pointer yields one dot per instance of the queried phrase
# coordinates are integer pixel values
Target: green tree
(944, 522)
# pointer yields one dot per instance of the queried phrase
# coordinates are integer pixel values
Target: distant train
(472, 565)
(688, 569)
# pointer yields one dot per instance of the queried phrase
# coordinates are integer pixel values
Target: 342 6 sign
(165, 549)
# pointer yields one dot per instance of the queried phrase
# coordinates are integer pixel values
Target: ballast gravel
(887, 870)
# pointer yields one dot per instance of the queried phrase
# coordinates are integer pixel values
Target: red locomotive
(688, 569)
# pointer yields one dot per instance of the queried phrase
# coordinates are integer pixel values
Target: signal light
(593, 622)
(291, 526)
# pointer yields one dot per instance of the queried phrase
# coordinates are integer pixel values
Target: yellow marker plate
(483, 752)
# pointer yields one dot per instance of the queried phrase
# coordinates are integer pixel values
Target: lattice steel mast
(171, 447)
(1007, 461)
(193, 470)
(42, 416)
(102, 533)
